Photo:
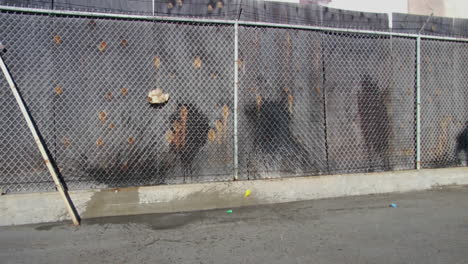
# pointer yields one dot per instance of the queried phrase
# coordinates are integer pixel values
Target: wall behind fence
(310, 102)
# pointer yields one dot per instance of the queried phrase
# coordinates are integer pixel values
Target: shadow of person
(462, 146)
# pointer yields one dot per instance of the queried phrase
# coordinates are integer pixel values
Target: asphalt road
(427, 227)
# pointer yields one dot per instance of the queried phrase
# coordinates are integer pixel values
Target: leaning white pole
(44, 154)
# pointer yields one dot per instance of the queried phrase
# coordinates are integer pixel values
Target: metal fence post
(236, 90)
(418, 102)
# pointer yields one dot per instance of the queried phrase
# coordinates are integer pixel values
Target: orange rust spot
(184, 114)
(57, 39)
(112, 125)
(170, 136)
(66, 142)
(408, 152)
(109, 96)
(131, 140)
(180, 134)
(100, 142)
(102, 46)
(290, 103)
(172, 75)
(102, 116)
(259, 102)
(214, 75)
(211, 135)
(197, 62)
(286, 90)
(219, 4)
(240, 63)
(225, 113)
(124, 43)
(219, 125)
(157, 62)
(58, 90)
(124, 91)
(176, 136)
(221, 128)
(125, 166)
(170, 5)
(318, 89)
(210, 8)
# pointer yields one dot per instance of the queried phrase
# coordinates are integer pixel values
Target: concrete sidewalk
(427, 227)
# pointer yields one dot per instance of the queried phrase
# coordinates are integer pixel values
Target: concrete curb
(18, 209)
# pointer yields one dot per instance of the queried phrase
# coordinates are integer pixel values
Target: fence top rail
(224, 21)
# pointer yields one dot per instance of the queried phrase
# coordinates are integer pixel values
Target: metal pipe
(236, 91)
(45, 156)
(418, 103)
(229, 22)
(119, 16)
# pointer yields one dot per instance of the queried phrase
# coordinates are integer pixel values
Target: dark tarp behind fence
(310, 102)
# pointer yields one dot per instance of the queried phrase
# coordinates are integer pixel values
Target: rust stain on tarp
(220, 130)
(57, 39)
(102, 116)
(177, 134)
(197, 62)
(123, 43)
(100, 142)
(124, 91)
(102, 46)
(211, 135)
(258, 100)
(66, 142)
(157, 62)
(187, 134)
(109, 96)
(58, 90)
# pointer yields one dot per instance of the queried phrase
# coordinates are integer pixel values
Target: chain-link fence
(310, 101)
(444, 115)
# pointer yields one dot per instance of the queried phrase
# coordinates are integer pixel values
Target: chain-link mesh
(314, 103)
(86, 82)
(281, 118)
(369, 87)
(28, 57)
(310, 102)
(444, 108)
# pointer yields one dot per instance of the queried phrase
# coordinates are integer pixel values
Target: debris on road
(247, 193)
